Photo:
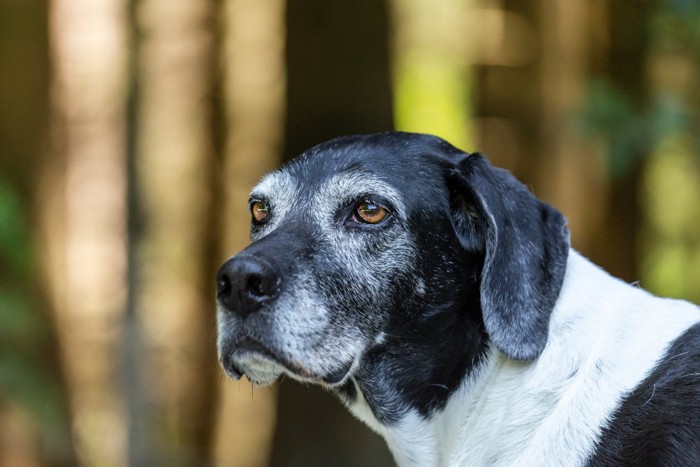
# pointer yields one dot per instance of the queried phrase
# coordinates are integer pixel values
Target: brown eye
(370, 212)
(260, 211)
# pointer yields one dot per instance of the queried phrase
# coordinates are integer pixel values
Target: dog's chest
(601, 346)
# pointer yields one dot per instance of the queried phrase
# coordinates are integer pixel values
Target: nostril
(254, 285)
(223, 285)
(261, 285)
(243, 284)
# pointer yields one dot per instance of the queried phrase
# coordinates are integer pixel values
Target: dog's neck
(506, 411)
(420, 362)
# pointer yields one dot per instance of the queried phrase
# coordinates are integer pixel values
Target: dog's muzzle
(247, 290)
(244, 284)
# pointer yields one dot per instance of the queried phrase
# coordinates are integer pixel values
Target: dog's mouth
(263, 365)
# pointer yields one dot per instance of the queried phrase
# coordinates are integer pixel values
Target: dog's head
(393, 254)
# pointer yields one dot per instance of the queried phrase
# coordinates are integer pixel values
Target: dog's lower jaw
(398, 376)
(232, 372)
(259, 370)
(262, 370)
(337, 377)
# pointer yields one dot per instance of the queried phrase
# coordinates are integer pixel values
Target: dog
(441, 301)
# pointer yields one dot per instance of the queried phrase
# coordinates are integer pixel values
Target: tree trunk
(253, 88)
(615, 245)
(170, 358)
(34, 404)
(83, 214)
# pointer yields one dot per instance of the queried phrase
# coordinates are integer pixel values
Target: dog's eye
(370, 212)
(259, 210)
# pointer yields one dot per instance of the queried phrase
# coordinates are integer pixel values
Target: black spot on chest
(659, 422)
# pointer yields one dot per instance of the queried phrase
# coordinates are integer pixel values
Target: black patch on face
(486, 266)
(435, 338)
(659, 422)
(425, 355)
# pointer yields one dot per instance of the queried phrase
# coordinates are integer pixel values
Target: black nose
(244, 284)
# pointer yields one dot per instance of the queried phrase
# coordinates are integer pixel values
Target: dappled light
(671, 238)
(432, 81)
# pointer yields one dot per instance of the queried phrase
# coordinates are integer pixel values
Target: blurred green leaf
(19, 322)
(14, 244)
(608, 113)
(29, 385)
(631, 134)
(23, 332)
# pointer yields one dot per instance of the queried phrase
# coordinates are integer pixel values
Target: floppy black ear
(526, 247)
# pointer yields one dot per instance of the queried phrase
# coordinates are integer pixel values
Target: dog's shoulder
(658, 423)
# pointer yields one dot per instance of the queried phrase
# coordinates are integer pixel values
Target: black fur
(497, 244)
(658, 424)
(424, 357)
(486, 265)
(490, 256)
(527, 245)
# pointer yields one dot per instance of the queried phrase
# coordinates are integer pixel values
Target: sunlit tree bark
(540, 101)
(508, 97)
(34, 423)
(172, 285)
(84, 216)
(432, 47)
(530, 93)
(569, 170)
(19, 438)
(253, 89)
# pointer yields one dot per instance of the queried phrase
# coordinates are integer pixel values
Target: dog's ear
(526, 245)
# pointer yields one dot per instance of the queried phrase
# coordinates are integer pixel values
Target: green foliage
(671, 236)
(659, 140)
(631, 134)
(676, 26)
(608, 114)
(24, 374)
(14, 248)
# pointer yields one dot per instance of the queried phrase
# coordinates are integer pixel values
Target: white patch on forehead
(281, 191)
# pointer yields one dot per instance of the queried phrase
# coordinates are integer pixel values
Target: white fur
(412, 440)
(605, 337)
(361, 410)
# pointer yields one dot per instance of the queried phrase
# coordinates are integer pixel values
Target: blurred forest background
(132, 130)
